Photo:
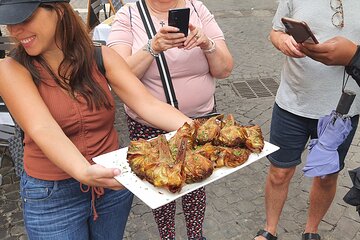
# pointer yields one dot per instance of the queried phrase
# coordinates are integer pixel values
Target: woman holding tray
(54, 90)
(193, 62)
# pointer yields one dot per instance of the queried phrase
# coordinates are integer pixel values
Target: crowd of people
(53, 76)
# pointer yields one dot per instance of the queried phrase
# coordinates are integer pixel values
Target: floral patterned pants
(193, 203)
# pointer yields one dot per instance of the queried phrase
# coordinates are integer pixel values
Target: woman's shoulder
(13, 74)
(128, 7)
(10, 66)
(126, 12)
(195, 2)
(198, 6)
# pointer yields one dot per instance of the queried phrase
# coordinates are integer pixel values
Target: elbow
(227, 72)
(224, 72)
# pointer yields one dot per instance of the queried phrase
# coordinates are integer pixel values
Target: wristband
(212, 48)
(150, 50)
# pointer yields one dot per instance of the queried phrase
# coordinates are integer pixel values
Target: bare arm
(26, 105)
(141, 60)
(134, 94)
(286, 44)
(220, 60)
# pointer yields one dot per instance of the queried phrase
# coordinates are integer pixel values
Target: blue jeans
(291, 132)
(59, 210)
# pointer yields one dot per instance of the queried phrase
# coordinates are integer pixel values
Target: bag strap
(161, 60)
(99, 58)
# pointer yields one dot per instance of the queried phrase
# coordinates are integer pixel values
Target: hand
(167, 37)
(97, 175)
(335, 51)
(288, 46)
(196, 38)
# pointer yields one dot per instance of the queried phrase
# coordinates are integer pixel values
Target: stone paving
(235, 204)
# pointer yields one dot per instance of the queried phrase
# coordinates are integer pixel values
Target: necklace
(160, 11)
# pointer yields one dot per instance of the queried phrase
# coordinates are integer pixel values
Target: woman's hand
(167, 37)
(97, 175)
(286, 44)
(197, 38)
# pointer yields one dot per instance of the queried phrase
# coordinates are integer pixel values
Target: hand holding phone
(179, 17)
(299, 30)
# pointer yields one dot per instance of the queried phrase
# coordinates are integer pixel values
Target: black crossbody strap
(161, 60)
(99, 59)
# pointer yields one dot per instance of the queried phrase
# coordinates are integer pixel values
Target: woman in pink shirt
(193, 61)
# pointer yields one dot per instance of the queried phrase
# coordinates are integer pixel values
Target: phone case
(179, 18)
(299, 30)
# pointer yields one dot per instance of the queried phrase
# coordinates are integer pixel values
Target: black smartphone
(179, 17)
(299, 30)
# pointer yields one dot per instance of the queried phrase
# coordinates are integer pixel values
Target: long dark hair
(76, 69)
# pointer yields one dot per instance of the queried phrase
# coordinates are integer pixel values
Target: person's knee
(326, 182)
(280, 176)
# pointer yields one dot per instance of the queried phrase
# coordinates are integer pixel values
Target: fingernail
(117, 172)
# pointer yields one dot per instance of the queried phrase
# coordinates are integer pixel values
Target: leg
(323, 190)
(113, 210)
(165, 215)
(55, 210)
(276, 190)
(290, 132)
(194, 205)
(165, 219)
(321, 196)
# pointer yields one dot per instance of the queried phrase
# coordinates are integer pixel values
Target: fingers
(111, 183)
(195, 38)
(99, 171)
(168, 37)
(295, 49)
(290, 47)
(98, 175)
(316, 48)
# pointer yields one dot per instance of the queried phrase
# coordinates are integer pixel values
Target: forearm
(134, 94)
(275, 37)
(149, 108)
(220, 60)
(163, 116)
(60, 150)
(139, 62)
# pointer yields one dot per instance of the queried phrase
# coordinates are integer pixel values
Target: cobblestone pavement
(235, 204)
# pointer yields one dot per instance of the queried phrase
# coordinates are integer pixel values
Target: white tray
(155, 197)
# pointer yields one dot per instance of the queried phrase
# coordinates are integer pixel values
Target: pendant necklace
(156, 13)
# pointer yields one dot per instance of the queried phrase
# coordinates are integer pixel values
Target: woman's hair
(76, 69)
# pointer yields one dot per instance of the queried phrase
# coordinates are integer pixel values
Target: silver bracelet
(213, 47)
(150, 50)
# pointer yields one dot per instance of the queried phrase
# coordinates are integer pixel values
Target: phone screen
(299, 30)
(179, 17)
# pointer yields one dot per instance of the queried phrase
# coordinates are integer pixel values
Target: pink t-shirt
(189, 69)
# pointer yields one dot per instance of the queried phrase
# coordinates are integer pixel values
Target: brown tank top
(92, 132)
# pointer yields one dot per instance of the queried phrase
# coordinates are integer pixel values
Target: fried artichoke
(209, 130)
(197, 167)
(231, 135)
(194, 151)
(254, 140)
